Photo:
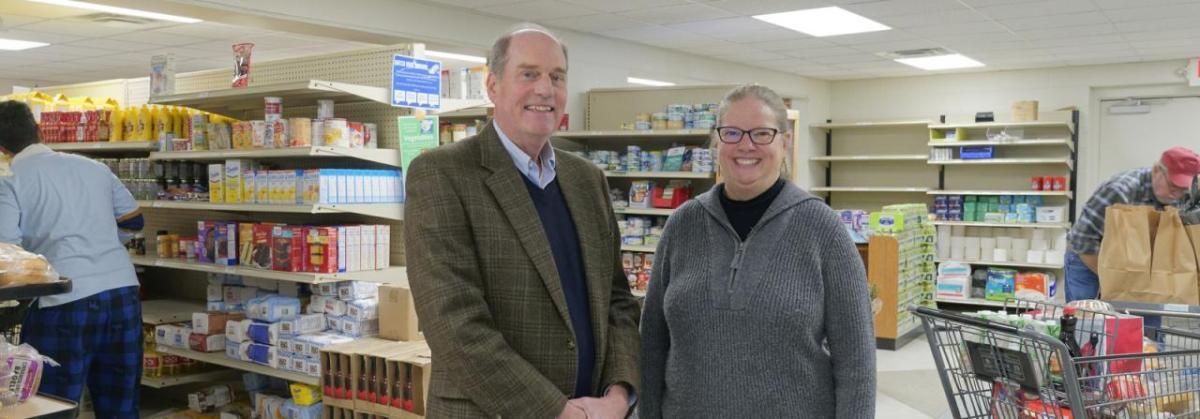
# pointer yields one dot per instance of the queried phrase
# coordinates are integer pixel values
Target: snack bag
(241, 64)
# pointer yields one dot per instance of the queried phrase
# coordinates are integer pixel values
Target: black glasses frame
(774, 133)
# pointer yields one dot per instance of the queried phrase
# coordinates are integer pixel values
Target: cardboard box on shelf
(367, 246)
(321, 249)
(213, 323)
(383, 246)
(226, 244)
(206, 343)
(397, 314)
(261, 256)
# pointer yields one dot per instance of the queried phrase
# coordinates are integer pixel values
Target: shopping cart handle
(959, 318)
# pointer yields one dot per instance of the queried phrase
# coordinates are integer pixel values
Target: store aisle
(908, 384)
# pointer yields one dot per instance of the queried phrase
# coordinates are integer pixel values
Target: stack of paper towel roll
(1000, 244)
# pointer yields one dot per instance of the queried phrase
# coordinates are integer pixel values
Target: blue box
(976, 153)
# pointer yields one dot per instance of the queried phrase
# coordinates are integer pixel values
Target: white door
(1137, 140)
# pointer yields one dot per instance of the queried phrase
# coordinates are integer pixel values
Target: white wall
(959, 96)
(595, 62)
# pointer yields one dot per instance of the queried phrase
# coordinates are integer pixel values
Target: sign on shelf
(416, 83)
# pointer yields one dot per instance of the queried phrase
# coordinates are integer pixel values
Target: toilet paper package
(1000, 255)
(315, 342)
(264, 333)
(235, 330)
(316, 303)
(357, 290)
(1035, 256)
(232, 349)
(261, 354)
(238, 295)
(326, 288)
(285, 347)
(358, 328)
(303, 325)
(365, 309)
(296, 363)
(312, 367)
(273, 308)
(334, 307)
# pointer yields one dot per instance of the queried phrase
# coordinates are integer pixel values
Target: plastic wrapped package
(19, 267)
(21, 370)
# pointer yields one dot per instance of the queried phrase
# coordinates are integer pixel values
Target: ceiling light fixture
(825, 21)
(940, 62)
(18, 45)
(648, 82)
(453, 56)
(119, 10)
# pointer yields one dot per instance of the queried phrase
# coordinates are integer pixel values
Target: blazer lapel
(591, 225)
(509, 190)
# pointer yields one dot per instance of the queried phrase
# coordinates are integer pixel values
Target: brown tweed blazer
(488, 294)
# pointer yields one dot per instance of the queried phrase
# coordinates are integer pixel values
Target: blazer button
(571, 345)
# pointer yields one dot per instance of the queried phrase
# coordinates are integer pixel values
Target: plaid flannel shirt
(1133, 187)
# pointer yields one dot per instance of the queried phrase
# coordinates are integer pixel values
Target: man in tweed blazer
(513, 258)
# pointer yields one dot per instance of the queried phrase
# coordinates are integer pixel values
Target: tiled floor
(908, 384)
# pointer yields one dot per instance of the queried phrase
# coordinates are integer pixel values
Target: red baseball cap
(1182, 164)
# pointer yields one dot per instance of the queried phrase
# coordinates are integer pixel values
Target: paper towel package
(235, 330)
(315, 342)
(238, 295)
(312, 367)
(316, 303)
(1035, 256)
(273, 308)
(303, 325)
(264, 333)
(365, 309)
(357, 290)
(335, 307)
(297, 363)
(359, 328)
(261, 354)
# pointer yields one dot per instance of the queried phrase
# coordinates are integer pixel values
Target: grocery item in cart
(19, 267)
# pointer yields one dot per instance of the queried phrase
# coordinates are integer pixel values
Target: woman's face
(750, 168)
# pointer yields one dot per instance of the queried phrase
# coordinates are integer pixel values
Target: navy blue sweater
(568, 258)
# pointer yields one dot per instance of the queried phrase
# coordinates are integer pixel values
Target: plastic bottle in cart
(1067, 335)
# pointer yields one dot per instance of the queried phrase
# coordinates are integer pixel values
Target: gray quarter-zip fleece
(777, 326)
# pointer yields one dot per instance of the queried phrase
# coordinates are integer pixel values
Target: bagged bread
(19, 267)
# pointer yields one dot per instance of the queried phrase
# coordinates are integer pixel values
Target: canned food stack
(635, 159)
(676, 116)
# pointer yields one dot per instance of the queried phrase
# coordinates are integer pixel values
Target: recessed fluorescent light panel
(648, 82)
(453, 56)
(118, 10)
(17, 45)
(826, 21)
(941, 62)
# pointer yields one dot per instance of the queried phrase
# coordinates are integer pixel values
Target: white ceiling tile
(871, 37)
(45, 11)
(1071, 32)
(162, 38)
(593, 23)
(475, 4)
(1165, 57)
(613, 6)
(1155, 13)
(68, 52)
(1052, 21)
(1157, 25)
(112, 44)
(643, 33)
(1132, 4)
(1165, 34)
(1085, 40)
(676, 14)
(990, 3)
(825, 52)
(957, 28)
(876, 10)
(50, 38)
(538, 10)
(1040, 8)
(1182, 51)
(898, 45)
(854, 59)
(761, 37)
(758, 7)
(1182, 42)
(8, 20)
(210, 30)
(82, 28)
(958, 15)
(1094, 61)
(795, 44)
(749, 57)
(690, 42)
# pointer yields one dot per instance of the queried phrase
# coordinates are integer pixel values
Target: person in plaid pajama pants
(69, 209)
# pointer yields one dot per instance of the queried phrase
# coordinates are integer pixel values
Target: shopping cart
(991, 369)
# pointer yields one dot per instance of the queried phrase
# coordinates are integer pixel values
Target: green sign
(416, 136)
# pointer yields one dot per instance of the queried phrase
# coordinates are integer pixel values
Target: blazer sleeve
(623, 341)
(444, 273)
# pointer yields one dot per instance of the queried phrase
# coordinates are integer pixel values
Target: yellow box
(216, 183)
(249, 185)
(235, 180)
(305, 395)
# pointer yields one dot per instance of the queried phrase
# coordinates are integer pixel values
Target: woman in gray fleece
(758, 305)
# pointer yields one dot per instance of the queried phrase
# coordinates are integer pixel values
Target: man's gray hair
(764, 95)
(498, 57)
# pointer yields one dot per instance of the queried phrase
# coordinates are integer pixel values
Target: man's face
(531, 93)
(1166, 192)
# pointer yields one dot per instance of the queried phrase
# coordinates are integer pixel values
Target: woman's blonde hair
(768, 97)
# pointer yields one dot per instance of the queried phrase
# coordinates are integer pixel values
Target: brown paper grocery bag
(1173, 274)
(1126, 252)
(1193, 232)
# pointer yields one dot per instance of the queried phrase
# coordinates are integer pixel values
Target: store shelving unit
(105, 147)
(1059, 226)
(1004, 264)
(219, 358)
(1060, 194)
(637, 248)
(385, 211)
(890, 189)
(1069, 125)
(659, 175)
(158, 312)
(651, 135)
(40, 406)
(1017, 143)
(1014, 161)
(383, 156)
(897, 147)
(296, 93)
(199, 377)
(664, 212)
(393, 275)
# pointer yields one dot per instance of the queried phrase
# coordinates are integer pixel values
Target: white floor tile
(913, 356)
(887, 407)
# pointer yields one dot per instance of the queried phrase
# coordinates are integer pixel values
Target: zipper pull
(737, 256)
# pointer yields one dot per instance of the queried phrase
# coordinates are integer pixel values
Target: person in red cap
(1171, 181)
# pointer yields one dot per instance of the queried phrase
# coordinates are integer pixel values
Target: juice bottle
(145, 125)
(117, 131)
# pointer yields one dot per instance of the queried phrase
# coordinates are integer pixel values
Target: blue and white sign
(416, 83)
